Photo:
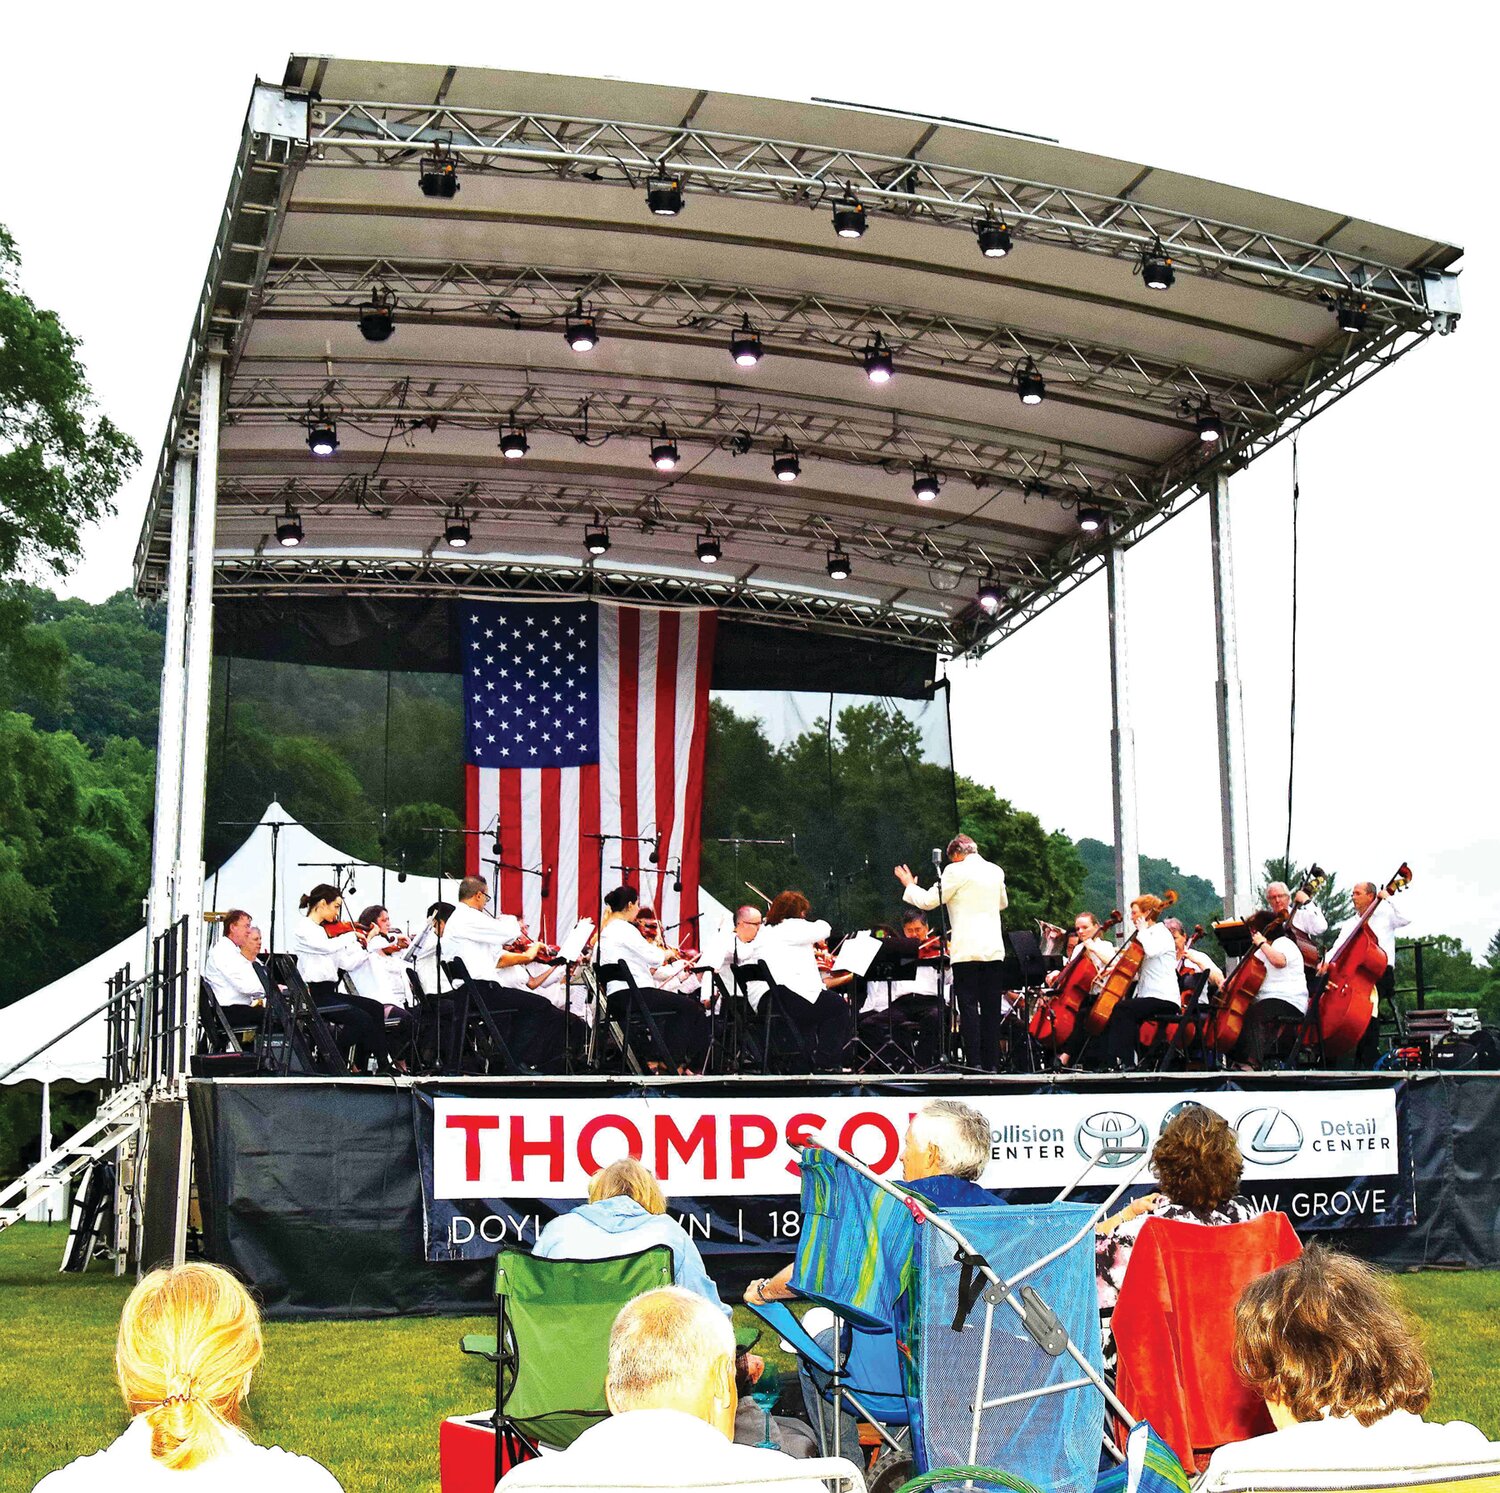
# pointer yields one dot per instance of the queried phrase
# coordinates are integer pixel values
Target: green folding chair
(551, 1343)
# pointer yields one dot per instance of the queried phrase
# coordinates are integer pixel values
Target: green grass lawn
(366, 1398)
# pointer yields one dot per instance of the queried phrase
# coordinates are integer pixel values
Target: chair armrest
(778, 1316)
(479, 1344)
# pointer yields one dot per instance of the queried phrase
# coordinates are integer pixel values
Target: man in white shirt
(747, 924)
(670, 1388)
(1303, 915)
(973, 891)
(1385, 921)
(231, 971)
(538, 1029)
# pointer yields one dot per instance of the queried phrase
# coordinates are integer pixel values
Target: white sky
(119, 130)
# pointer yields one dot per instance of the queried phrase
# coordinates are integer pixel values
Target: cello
(1121, 975)
(1347, 1000)
(1055, 1018)
(1190, 983)
(1237, 994)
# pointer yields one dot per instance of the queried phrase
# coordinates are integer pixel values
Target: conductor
(973, 891)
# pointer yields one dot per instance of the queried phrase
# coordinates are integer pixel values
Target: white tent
(278, 851)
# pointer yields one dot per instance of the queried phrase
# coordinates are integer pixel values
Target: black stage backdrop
(313, 1190)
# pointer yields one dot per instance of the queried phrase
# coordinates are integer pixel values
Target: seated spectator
(1198, 1166)
(1326, 1342)
(671, 1393)
(946, 1150)
(625, 1214)
(189, 1343)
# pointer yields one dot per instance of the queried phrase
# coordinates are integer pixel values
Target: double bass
(1347, 1000)
(1121, 975)
(1237, 994)
(1055, 1016)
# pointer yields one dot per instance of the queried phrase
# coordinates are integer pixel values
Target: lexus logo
(1268, 1136)
(1111, 1138)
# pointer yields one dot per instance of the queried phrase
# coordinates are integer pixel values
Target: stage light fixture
(1090, 520)
(880, 366)
(989, 596)
(745, 346)
(581, 332)
(596, 539)
(838, 564)
(849, 216)
(438, 175)
(457, 533)
(708, 549)
(664, 194)
(322, 435)
(289, 528)
(1156, 268)
(377, 316)
(664, 452)
(513, 443)
(786, 463)
(1030, 384)
(1353, 315)
(926, 485)
(994, 238)
(1210, 426)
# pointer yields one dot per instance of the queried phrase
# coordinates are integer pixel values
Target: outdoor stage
(365, 1197)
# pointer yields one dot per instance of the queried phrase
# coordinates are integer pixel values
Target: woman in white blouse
(188, 1346)
(788, 943)
(1156, 995)
(320, 958)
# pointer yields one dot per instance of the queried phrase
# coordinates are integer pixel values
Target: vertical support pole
(167, 814)
(1122, 740)
(200, 640)
(1238, 877)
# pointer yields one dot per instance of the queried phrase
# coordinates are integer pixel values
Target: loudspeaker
(165, 1198)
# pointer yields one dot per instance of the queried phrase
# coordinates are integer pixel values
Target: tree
(1492, 953)
(1198, 900)
(1044, 874)
(61, 463)
(1449, 974)
(1330, 898)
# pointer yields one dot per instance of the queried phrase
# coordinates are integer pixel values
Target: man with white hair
(948, 1145)
(973, 891)
(671, 1394)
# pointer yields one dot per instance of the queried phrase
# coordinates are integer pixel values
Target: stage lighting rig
(457, 533)
(708, 548)
(596, 539)
(838, 564)
(1030, 384)
(849, 216)
(880, 366)
(1353, 314)
(1090, 520)
(926, 484)
(322, 434)
(1156, 268)
(786, 464)
(994, 238)
(745, 346)
(664, 452)
(513, 443)
(989, 596)
(664, 194)
(377, 316)
(580, 331)
(1210, 426)
(289, 528)
(438, 174)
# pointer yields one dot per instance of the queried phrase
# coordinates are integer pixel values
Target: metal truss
(277, 575)
(854, 433)
(616, 152)
(531, 296)
(933, 548)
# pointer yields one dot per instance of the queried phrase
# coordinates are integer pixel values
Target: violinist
(909, 1010)
(1155, 996)
(1384, 923)
(422, 956)
(383, 976)
(675, 972)
(822, 1017)
(321, 958)
(684, 1025)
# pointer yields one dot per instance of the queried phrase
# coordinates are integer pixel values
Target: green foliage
(411, 845)
(1331, 899)
(1044, 873)
(1198, 901)
(1492, 953)
(61, 463)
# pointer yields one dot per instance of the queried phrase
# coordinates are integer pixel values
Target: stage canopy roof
(1277, 309)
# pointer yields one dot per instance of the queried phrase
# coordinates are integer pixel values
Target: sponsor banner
(496, 1168)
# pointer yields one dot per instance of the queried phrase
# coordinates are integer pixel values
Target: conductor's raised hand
(904, 876)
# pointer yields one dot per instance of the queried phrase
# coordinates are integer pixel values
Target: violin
(1120, 977)
(1347, 1001)
(524, 940)
(1237, 994)
(1054, 1018)
(651, 932)
(338, 930)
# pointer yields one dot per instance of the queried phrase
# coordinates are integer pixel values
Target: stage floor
(367, 1197)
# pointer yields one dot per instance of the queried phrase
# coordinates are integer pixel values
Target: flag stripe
(565, 854)
(546, 926)
(508, 891)
(629, 707)
(589, 892)
(692, 817)
(663, 777)
(472, 785)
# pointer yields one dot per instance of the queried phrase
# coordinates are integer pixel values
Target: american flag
(583, 719)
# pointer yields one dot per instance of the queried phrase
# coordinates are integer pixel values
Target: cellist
(1281, 999)
(1384, 923)
(1155, 995)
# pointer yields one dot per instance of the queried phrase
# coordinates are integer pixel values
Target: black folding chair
(221, 1048)
(626, 1013)
(295, 1037)
(482, 1026)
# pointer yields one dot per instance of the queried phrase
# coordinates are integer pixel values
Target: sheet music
(857, 952)
(571, 947)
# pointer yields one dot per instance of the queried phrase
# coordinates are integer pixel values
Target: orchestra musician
(1281, 999)
(674, 972)
(1156, 995)
(382, 977)
(973, 891)
(547, 978)
(1384, 923)
(1088, 935)
(821, 1016)
(911, 1010)
(321, 958)
(684, 1025)
(1306, 916)
(486, 944)
(237, 981)
(422, 958)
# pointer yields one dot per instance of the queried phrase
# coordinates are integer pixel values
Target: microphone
(937, 857)
(495, 848)
(401, 867)
(546, 882)
(656, 851)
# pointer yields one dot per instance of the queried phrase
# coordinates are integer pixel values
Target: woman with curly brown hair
(788, 943)
(1197, 1165)
(1325, 1341)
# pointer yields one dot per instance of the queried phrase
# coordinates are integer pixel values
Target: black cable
(1291, 764)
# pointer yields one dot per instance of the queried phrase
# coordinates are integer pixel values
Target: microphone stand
(600, 840)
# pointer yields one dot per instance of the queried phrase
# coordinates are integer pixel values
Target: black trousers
(1368, 1052)
(914, 1024)
(538, 1030)
(824, 1026)
(1122, 1035)
(359, 1021)
(1263, 1015)
(682, 1019)
(978, 989)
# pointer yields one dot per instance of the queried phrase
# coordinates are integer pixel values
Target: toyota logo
(1111, 1138)
(1268, 1136)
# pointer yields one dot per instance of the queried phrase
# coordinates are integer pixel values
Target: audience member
(625, 1214)
(189, 1343)
(1326, 1342)
(671, 1393)
(1198, 1165)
